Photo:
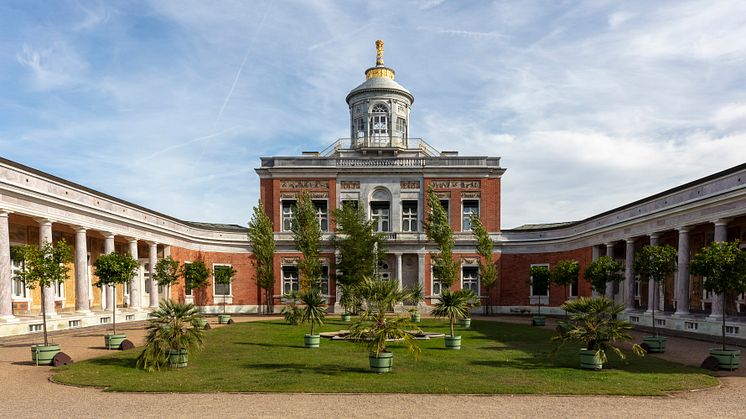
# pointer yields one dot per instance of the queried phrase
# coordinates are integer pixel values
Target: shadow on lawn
(124, 362)
(271, 345)
(324, 369)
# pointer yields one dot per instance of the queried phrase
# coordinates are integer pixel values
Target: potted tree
(291, 307)
(113, 269)
(602, 271)
(166, 272)
(472, 300)
(196, 276)
(438, 229)
(565, 273)
(654, 264)
(175, 330)
(453, 305)
(312, 311)
(415, 297)
(262, 242)
(42, 267)
(594, 324)
(487, 270)
(224, 275)
(539, 281)
(348, 300)
(374, 330)
(724, 266)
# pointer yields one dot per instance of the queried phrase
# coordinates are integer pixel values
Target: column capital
(79, 229)
(4, 212)
(655, 235)
(107, 234)
(684, 229)
(631, 240)
(722, 221)
(609, 244)
(151, 243)
(43, 220)
(131, 239)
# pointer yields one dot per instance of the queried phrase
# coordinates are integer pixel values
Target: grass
(496, 358)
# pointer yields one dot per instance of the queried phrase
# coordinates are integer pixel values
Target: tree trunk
(655, 293)
(723, 328)
(44, 317)
(114, 309)
(452, 320)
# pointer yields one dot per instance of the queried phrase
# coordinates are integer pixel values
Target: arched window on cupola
(379, 125)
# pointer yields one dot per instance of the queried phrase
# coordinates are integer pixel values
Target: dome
(380, 84)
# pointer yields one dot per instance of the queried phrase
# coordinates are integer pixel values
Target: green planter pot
(589, 360)
(346, 317)
(728, 359)
(202, 322)
(415, 317)
(465, 323)
(381, 363)
(114, 341)
(178, 358)
(538, 321)
(43, 354)
(223, 318)
(312, 341)
(657, 344)
(453, 342)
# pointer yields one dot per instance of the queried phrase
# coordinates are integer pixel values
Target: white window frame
(287, 215)
(15, 284)
(534, 299)
(324, 280)
(380, 219)
(478, 281)
(322, 216)
(463, 214)
(433, 283)
(218, 299)
(407, 218)
(383, 270)
(447, 210)
(295, 280)
(188, 298)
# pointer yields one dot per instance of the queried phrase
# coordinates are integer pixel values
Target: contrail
(243, 63)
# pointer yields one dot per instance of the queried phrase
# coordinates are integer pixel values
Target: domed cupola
(379, 108)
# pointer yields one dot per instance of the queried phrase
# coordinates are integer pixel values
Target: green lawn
(495, 358)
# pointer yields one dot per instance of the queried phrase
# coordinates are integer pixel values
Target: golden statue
(379, 52)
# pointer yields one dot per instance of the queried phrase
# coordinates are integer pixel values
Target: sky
(170, 104)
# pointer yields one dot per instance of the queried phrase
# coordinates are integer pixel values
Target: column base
(9, 319)
(681, 313)
(718, 317)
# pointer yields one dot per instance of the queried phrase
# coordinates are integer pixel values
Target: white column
(595, 254)
(108, 292)
(651, 285)
(629, 275)
(682, 273)
(398, 269)
(421, 271)
(6, 274)
(135, 297)
(45, 236)
(610, 285)
(167, 289)
(82, 304)
(153, 256)
(721, 235)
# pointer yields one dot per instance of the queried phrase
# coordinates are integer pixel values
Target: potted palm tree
(224, 275)
(724, 266)
(312, 311)
(472, 300)
(415, 297)
(112, 269)
(374, 330)
(291, 309)
(540, 282)
(347, 300)
(594, 324)
(196, 276)
(174, 331)
(43, 267)
(565, 273)
(654, 264)
(453, 305)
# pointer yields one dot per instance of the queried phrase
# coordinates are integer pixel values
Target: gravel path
(23, 381)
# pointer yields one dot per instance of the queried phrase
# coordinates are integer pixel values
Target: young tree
(602, 271)
(540, 281)
(43, 267)
(724, 265)
(655, 263)
(166, 272)
(196, 275)
(487, 270)
(262, 242)
(307, 235)
(224, 275)
(565, 273)
(112, 269)
(358, 245)
(437, 228)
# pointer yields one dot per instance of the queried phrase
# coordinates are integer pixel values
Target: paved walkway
(27, 392)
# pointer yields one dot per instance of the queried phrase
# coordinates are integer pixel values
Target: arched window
(380, 209)
(379, 125)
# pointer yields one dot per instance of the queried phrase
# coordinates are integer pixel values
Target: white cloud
(56, 66)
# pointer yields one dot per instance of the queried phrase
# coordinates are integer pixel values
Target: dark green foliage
(487, 269)
(594, 324)
(112, 269)
(349, 298)
(539, 280)
(262, 242)
(415, 295)
(565, 272)
(43, 267)
(603, 271)
(313, 308)
(166, 271)
(358, 245)
(454, 305)
(724, 265)
(196, 274)
(291, 310)
(655, 263)
(223, 275)
(437, 228)
(173, 326)
(306, 235)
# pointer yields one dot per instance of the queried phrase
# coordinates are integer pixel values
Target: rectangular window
(533, 291)
(146, 275)
(470, 278)
(221, 289)
(288, 206)
(322, 213)
(290, 279)
(359, 128)
(324, 280)
(409, 216)
(470, 209)
(379, 212)
(574, 289)
(19, 287)
(401, 126)
(437, 286)
(444, 203)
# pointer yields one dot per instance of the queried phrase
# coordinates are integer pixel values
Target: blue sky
(170, 104)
